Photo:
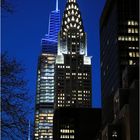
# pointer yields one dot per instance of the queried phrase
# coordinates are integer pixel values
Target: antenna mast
(29, 133)
(56, 5)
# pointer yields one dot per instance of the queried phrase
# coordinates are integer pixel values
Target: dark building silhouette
(76, 123)
(45, 80)
(73, 66)
(125, 125)
(119, 39)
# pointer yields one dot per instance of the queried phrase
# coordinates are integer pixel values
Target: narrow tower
(45, 80)
(73, 92)
(73, 66)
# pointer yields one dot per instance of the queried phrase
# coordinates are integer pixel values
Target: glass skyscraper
(45, 80)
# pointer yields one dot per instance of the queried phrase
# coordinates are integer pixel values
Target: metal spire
(29, 133)
(56, 5)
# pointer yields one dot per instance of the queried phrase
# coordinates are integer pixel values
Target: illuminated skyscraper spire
(56, 5)
(51, 37)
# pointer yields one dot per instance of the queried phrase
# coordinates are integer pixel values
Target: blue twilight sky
(22, 32)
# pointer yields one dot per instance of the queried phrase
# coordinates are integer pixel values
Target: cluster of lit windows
(72, 0)
(67, 67)
(72, 6)
(133, 54)
(44, 122)
(67, 131)
(79, 74)
(128, 38)
(67, 136)
(73, 52)
(72, 19)
(132, 62)
(133, 48)
(73, 73)
(132, 23)
(61, 105)
(61, 66)
(132, 30)
(67, 73)
(45, 85)
(114, 134)
(60, 102)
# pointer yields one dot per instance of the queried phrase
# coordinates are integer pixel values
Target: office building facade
(45, 80)
(119, 39)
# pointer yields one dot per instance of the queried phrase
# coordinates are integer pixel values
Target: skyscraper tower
(73, 66)
(119, 37)
(45, 80)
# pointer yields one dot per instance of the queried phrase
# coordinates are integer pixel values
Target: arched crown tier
(72, 21)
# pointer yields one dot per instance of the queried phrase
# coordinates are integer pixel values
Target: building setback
(119, 39)
(45, 80)
(73, 66)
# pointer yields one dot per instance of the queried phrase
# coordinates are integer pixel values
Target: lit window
(129, 23)
(134, 55)
(129, 30)
(65, 29)
(130, 54)
(68, 12)
(68, 19)
(68, 27)
(73, 19)
(130, 62)
(133, 39)
(136, 39)
(65, 22)
(72, 12)
(114, 134)
(77, 20)
(122, 38)
(78, 27)
(136, 23)
(119, 38)
(136, 30)
(72, 6)
(133, 30)
(137, 54)
(132, 23)
(129, 38)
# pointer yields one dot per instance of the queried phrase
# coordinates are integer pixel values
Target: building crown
(72, 20)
